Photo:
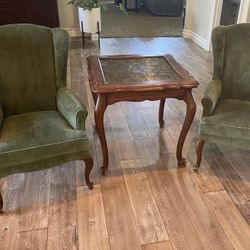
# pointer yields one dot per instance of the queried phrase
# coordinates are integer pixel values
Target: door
(230, 11)
(41, 12)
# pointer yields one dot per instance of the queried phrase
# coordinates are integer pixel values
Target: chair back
(30, 67)
(231, 49)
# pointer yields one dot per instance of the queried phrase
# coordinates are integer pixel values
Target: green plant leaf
(91, 4)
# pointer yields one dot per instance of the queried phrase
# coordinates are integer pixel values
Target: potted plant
(89, 15)
(89, 12)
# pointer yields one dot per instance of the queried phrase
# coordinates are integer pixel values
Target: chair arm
(211, 97)
(71, 108)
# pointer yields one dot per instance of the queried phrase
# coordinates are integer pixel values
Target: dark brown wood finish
(9, 11)
(161, 112)
(100, 108)
(41, 12)
(98, 82)
(1, 203)
(107, 94)
(199, 147)
(88, 168)
(191, 108)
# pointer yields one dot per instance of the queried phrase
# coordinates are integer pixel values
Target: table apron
(112, 98)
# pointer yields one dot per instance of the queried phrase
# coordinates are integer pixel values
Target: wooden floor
(145, 202)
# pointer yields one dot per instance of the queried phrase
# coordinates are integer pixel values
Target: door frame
(242, 15)
(218, 9)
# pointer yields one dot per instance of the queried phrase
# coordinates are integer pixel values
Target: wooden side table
(138, 78)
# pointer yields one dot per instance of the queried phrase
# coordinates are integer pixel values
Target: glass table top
(131, 70)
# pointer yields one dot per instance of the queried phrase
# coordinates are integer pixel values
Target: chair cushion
(230, 119)
(36, 136)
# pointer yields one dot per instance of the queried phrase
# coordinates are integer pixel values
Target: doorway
(230, 12)
(144, 19)
(237, 10)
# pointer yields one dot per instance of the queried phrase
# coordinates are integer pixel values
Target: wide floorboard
(145, 201)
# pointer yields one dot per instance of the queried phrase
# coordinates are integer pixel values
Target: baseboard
(196, 38)
(74, 32)
(94, 37)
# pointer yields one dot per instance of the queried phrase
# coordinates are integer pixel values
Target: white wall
(244, 11)
(68, 17)
(248, 17)
(198, 26)
(199, 21)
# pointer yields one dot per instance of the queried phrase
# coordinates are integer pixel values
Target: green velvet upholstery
(231, 60)
(42, 135)
(231, 120)
(211, 97)
(226, 103)
(71, 108)
(42, 124)
(61, 41)
(27, 52)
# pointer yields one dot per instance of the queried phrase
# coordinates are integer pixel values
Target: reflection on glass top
(129, 70)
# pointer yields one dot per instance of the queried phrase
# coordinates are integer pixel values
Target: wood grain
(238, 189)
(206, 179)
(32, 240)
(240, 161)
(121, 133)
(235, 226)
(35, 205)
(62, 230)
(137, 126)
(164, 245)
(209, 230)
(148, 220)
(148, 151)
(115, 172)
(119, 217)
(176, 220)
(13, 196)
(161, 137)
(92, 230)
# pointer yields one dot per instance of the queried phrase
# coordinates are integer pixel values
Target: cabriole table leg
(191, 109)
(99, 114)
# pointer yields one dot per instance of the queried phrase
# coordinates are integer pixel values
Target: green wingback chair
(226, 103)
(42, 124)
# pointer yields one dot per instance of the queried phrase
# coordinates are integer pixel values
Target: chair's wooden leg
(1, 203)
(88, 168)
(199, 147)
(161, 112)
